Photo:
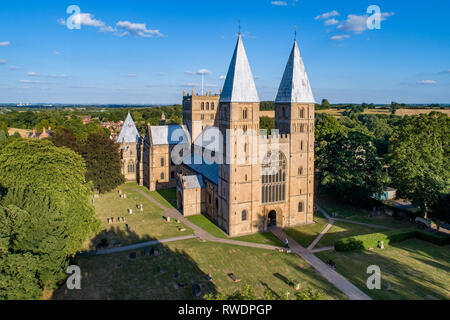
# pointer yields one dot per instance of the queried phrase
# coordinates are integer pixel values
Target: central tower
(239, 175)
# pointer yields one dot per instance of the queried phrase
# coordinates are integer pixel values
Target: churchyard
(179, 265)
(411, 269)
(139, 226)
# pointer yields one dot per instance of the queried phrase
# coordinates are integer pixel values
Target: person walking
(286, 242)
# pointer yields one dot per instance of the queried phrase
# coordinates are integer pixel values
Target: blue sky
(139, 51)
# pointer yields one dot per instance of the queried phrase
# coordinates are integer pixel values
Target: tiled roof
(171, 134)
(193, 182)
(208, 171)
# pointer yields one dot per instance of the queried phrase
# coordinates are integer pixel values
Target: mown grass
(117, 277)
(203, 222)
(306, 234)
(145, 226)
(414, 269)
(264, 238)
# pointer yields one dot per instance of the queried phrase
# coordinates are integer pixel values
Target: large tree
(103, 162)
(420, 158)
(349, 166)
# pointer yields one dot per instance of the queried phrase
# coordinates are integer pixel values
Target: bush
(371, 240)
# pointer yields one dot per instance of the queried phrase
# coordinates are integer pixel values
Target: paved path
(322, 249)
(139, 245)
(316, 240)
(351, 221)
(326, 271)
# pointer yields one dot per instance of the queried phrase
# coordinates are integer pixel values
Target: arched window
(162, 162)
(212, 105)
(203, 106)
(302, 113)
(300, 171)
(301, 145)
(244, 215)
(162, 176)
(207, 106)
(300, 207)
(273, 187)
(131, 168)
(244, 114)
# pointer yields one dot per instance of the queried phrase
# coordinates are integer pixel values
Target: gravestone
(233, 277)
(183, 229)
(296, 284)
(208, 277)
(196, 290)
(130, 211)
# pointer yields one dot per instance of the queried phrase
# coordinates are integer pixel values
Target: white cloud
(340, 37)
(2, 61)
(33, 74)
(358, 24)
(223, 77)
(427, 82)
(331, 22)
(13, 68)
(31, 81)
(279, 3)
(137, 29)
(5, 43)
(88, 20)
(327, 15)
(199, 72)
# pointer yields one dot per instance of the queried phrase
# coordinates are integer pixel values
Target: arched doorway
(272, 219)
(179, 201)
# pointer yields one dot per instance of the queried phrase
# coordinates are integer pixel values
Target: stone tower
(130, 151)
(294, 115)
(239, 175)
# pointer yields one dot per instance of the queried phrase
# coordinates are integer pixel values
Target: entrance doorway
(272, 222)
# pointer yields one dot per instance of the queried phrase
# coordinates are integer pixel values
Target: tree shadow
(155, 272)
(169, 194)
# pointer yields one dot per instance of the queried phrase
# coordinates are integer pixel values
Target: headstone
(296, 284)
(124, 196)
(196, 290)
(147, 252)
(388, 286)
(168, 219)
(381, 245)
(130, 211)
(233, 277)
(183, 229)
(208, 277)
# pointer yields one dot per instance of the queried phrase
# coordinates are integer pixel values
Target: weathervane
(239, 23)
(295, 33)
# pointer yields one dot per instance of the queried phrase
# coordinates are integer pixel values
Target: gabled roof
(209, 139)
(129, 132)
(295, 87)
(239, 85)
(171, 134)
(193, 182)
(208, 171)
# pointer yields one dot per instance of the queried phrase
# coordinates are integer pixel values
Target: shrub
(371, 240)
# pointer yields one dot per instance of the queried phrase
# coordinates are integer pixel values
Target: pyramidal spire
(239, 85)
(129, 132)
(295, 87)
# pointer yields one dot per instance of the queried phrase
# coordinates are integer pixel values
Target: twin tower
(250, 198)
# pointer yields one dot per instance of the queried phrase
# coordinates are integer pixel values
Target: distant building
(46, 133)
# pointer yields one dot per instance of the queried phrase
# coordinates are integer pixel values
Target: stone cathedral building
(263, 181)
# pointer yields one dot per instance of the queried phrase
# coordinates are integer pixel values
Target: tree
(267, 123)
(327, 125)
(349, 166)
(325, 104)
(103, 162)
(56, 174)
(64, 137)
(419, 152)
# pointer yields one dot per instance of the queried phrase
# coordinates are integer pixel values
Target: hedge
(371, 240)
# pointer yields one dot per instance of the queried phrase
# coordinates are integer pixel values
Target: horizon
(138, 55)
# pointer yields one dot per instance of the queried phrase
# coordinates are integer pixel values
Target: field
(145, 226)
(414, 269)
(306, 234)
(399, 112)
(116, 276)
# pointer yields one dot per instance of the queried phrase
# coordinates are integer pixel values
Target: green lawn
(342, 230)
(263, 237)
(146, 225)
(167, 197)
(306, 234)
(117, 277)
(415, 269)
(207, 225)
(345, 211)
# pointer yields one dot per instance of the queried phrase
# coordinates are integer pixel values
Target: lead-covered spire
(129, 132)
(295, 87)
(239, 85)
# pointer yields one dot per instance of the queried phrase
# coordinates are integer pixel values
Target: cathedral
(246, 181)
